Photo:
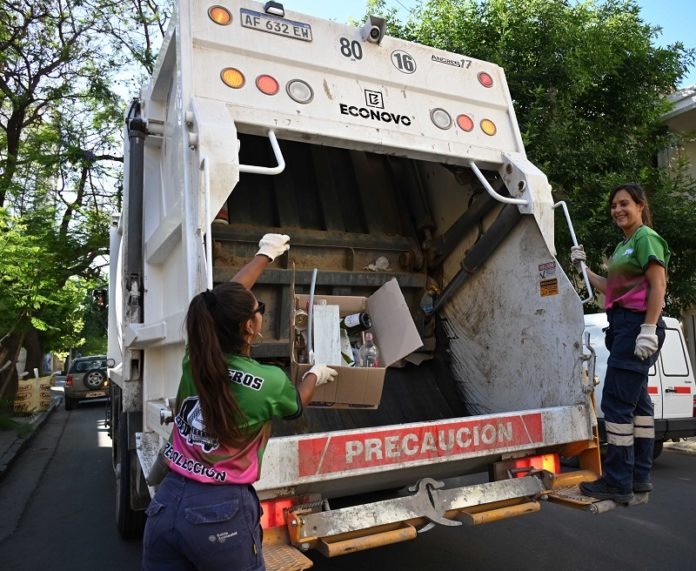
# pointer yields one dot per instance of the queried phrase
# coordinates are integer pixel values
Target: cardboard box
(395, 334)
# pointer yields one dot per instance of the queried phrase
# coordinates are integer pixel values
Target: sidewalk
(687, 446)
(12, 444)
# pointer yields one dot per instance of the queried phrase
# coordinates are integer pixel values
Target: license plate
(95, 394)
(274, 25)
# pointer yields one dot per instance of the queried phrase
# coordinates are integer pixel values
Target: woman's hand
(273, 245)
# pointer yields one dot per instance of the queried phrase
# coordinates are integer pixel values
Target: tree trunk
(9, 352)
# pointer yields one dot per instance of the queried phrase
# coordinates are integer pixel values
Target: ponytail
(215, 327)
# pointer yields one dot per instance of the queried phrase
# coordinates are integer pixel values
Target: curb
(687, 446)
(12, 452)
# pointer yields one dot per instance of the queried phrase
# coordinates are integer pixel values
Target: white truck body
(367, 172)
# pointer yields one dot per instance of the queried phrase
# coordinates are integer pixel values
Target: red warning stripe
(653, 390)
(682, 390)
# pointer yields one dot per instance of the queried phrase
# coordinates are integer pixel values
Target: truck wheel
(657, 450)
(130, 523)
(69, 403)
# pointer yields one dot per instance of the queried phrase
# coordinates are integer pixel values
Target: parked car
(86, 379)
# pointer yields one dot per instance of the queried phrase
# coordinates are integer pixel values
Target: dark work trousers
(627, 408)
(193, 526)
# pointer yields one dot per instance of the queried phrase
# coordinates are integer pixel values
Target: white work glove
(274, 245)
(578, 256)
(324, 374)
(646, 342)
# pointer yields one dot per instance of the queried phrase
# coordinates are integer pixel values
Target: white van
(670, 382)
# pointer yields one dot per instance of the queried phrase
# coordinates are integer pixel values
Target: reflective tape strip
(644, 432)
(653, 390)
(682, 390)
(643, 421)
(619, 428)
(620, 440)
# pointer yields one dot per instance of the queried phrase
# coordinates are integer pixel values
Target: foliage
(589, 89)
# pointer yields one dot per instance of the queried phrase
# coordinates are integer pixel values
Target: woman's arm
(598, 282)
(248, 275)
(657, 278)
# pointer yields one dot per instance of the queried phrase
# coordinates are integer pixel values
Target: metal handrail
(583, 267)
(268, 170)
(490, 190)
(208, 225)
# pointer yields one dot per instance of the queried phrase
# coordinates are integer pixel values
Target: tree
(588, 86)
(64, 65)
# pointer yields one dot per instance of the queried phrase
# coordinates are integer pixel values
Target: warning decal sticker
(327, 454)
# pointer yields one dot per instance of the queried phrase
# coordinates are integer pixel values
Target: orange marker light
(465, 123)
(488, 127)
(219, 15)
(232, 77)
(485, 79)
(267, 84)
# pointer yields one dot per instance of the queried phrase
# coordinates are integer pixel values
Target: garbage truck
(385, 161)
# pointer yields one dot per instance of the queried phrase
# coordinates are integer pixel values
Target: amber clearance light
(488, 127)
(232, 77)
(219, 15)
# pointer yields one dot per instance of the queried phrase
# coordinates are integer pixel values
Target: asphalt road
(58, 513)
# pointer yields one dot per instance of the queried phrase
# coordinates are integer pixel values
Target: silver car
(86, 379)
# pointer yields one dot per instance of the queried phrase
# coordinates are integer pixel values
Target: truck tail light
(485, 79)
(299, 91)
(219, 15)
(549, 462)
(488, 127)
(275, 512)
(69, 381)
(465, 122)
(440, 118)
(232, 77)
(694, 411)
(267, 84)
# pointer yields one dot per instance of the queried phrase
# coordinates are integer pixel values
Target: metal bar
(583, 267)
(208, 240)
(491, 191)
(268, 170)
(427, 502)
(328, 278)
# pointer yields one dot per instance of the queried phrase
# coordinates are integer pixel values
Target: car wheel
(657, 450)
(130, 522)
(70, 403)
(94, 379)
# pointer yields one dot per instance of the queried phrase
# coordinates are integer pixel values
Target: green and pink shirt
(627, 285)
(262, 391)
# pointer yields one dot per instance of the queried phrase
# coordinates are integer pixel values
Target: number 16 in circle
(403, 61)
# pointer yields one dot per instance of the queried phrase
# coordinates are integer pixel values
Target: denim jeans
(192, 526)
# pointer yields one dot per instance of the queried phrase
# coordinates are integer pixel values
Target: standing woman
(634, 297)
(205, 514)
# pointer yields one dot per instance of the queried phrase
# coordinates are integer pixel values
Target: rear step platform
(573, 497)
(285, 558)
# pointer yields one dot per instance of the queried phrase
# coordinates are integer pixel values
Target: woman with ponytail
(205, 514)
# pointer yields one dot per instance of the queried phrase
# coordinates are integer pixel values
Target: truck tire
(130, 523)
(657, 450)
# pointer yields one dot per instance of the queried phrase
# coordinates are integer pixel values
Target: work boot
(642, 487)
(600, 490)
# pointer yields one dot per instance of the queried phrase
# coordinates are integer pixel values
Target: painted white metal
(268, 170)
(493, 193)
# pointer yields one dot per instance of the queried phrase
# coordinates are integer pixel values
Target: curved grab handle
(490, 190)
(583, 267)
(268, 170)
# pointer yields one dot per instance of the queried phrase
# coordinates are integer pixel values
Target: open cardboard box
(395, 334)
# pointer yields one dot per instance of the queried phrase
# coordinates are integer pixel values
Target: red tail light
(550, 462)
(275, 512)
(69, 381)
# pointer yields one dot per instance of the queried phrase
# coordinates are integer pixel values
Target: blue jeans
(193, 526)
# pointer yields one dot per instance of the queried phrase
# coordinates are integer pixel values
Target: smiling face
(626, 212)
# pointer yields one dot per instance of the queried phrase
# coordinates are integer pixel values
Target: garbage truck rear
(382, 159)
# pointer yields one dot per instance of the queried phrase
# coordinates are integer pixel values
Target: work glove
(324, 374)
(273, 245)
(646, 342)
(578, 256)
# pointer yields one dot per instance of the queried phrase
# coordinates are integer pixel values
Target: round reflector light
(267, 84)
(465, 122)
(441, 118)
(219, 15)
(232, 77)
(299, 91)
(488, 127)
(485, 79)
